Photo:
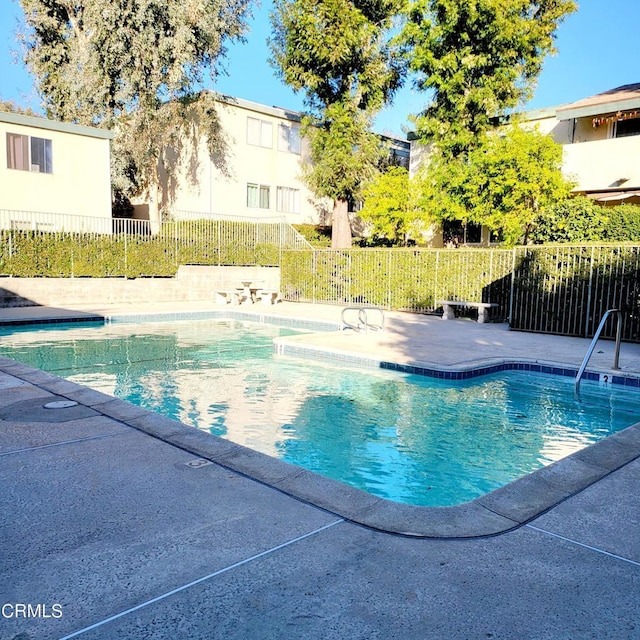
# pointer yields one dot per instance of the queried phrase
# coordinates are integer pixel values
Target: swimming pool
(408, 438)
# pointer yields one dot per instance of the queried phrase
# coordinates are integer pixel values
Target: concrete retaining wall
(191, 283)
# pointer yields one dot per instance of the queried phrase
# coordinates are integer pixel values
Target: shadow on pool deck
(137, 526)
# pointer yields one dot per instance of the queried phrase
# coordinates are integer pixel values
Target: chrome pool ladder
(363, 320)
(592, 346)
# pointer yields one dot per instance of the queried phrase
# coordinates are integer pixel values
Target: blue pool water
(408, 438)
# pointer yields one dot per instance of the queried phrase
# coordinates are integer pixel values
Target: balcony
(603, 164)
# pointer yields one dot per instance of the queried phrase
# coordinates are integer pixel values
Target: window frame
(287, 200)
(291, 141)
(32, 148)
(261, 190)
(263, 134)
(617, 123)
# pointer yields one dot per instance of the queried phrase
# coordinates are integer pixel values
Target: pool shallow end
(501, 510)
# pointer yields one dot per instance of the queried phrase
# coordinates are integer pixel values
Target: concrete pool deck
(135, 536)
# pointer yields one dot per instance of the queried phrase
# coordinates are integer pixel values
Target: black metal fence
(550, 289)
(567, 289)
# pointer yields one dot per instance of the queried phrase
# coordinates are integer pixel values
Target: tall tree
(133, 66)
(506, 184)
(339, 53)
(478, 58)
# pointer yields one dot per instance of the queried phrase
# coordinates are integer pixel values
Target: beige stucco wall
(80, 183)
(603, 164)
(191, 283)
(591, 157)
(419, 156)
(560, 131)
(201, 185)
(586, 132)
(594, 161)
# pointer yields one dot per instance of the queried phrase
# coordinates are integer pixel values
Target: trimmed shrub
(575, 220)
(411, 279)
(316, 235)
(623, 224)
(62, 254)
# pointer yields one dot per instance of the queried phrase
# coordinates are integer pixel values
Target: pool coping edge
(497, 512)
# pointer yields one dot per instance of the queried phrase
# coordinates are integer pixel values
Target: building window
(399, 158)
(289, 138)
(259, 133)
(624, 128)
(29, 154)
(288, 200)
(258, 196)
(456, 232)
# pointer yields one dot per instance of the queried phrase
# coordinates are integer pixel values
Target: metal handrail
(592, 346)
(363, 320)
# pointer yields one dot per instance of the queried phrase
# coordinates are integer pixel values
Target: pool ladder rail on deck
(616, 357)
(363, 320)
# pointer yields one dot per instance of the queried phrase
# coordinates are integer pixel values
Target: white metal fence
(52, 244)
(188, 225)
(16, 220)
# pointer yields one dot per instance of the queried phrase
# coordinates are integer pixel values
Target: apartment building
(49, 169)
(261, 173)
(600, 136)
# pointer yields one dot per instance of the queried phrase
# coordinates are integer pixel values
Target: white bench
(248, 294)
(482, 307)
(267, 296)
(225, 296)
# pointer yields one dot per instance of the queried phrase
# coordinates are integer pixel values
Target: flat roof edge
(276, 112)
(569, 112)
(55, 125)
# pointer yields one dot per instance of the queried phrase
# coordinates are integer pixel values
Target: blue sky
(597, 51)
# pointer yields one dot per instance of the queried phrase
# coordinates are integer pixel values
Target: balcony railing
(16, 220)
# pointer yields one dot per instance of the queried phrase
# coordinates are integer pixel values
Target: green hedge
(581, 220)
(318, 236)
(33, 254)
(623, 223)
(561, 289)
(411, 279)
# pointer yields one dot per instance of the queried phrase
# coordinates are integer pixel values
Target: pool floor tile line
(582, 544)
(193, 583)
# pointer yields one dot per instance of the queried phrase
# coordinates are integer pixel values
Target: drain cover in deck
(60, 404)
(40, 410)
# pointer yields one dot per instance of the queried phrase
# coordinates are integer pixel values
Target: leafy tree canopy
(389, 206)
(505, 183)
(339, 53)
(9, 106)
(478, 58)
(344, 153)
(114, 63)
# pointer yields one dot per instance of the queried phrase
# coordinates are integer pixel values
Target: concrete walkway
(115, 525)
